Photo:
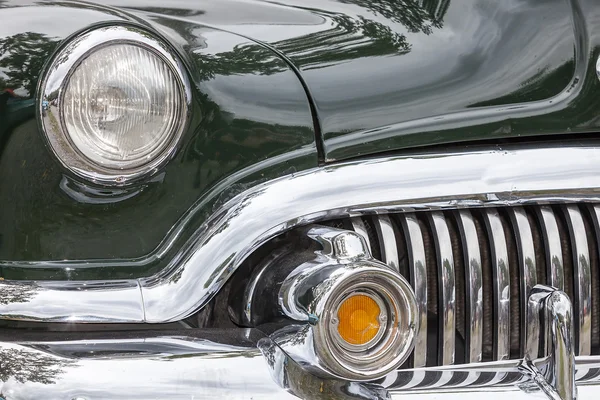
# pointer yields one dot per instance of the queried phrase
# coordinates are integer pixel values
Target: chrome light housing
(315, 292)
(114, 104)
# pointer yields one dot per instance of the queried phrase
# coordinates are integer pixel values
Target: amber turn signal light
(358, 319)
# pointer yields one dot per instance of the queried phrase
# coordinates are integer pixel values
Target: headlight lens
(121, 105)
(116, 104)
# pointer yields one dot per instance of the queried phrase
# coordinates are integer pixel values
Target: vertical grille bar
(474, 281)
(500, 270)
(359, 227)
(553, 249)
(447, 289)
(418, 280)
(594, 213)
(528, 277)
(583, 287)
(387, 241)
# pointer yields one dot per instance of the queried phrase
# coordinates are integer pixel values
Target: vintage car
(318, 199)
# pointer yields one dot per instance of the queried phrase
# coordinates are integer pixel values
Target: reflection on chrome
(273, 365)
(482, 177)
(312, 293)
(137, 368)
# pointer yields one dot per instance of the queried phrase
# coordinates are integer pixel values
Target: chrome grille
(473, 269)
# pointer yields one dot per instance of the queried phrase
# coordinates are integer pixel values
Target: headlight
(116, 104)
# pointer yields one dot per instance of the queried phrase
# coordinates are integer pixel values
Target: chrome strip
(501, 280)
(513, 175)
(528, 277)
(558, 379)
(418, 279)
(359, 227)
(387, 240)
(446, 284)
(582, 278)
(137, 368)
(49, 301)
(553, 248)
(474, 283)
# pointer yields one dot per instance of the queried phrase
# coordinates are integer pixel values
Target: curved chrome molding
(359, 227)
(474, 276)
(583, 278)
(418, 279)
(387, 238)
(423, 181)
(51, 94)
(447, 287)
(554, 258)
(502, 284)
(527, 265)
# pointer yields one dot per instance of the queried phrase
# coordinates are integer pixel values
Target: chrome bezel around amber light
(56, 78)
(311, 293)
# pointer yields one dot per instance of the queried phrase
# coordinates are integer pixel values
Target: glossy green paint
(250, 122)
(279, 86)
(393, 74)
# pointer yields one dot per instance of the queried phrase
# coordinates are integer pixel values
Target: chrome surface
(514, 175)
(312, 292)
(359, 227)
(51, 93)
(583, 278)
(447, 287)
(64, 302)
(418, 279)
(528, 278)
(559, 334)
(180, 366)
(501, 279)
(474, 277)
(387, 237)
(137, 368)
(554, 258)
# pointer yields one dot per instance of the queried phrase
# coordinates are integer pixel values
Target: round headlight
(114, 104)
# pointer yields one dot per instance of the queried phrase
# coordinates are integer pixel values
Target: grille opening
(549, 248)
(567, 254)
(516, 347)
(460, 357)
(592, 239)
(432, 291)
(375, 243)
(538, 245)
(487, 350)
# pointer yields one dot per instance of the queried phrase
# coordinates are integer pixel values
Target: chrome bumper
(160, 367)
(238, 364)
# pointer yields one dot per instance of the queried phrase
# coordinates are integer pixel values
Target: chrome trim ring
(56, 78)
(397, 339)
(312, 292)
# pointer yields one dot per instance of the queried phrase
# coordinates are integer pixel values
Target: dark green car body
(280, 87)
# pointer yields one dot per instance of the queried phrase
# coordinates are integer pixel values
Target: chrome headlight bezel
(51, 92)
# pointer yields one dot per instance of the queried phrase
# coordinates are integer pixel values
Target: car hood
(391, 74)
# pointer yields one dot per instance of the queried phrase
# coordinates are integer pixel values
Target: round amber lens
(358, 318)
